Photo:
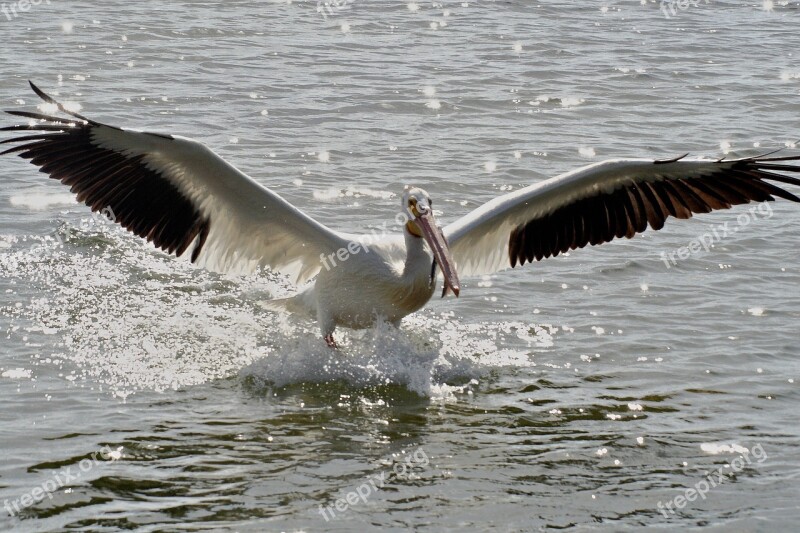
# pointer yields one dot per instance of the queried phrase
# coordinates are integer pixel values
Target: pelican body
(379, 279)
(178, 194)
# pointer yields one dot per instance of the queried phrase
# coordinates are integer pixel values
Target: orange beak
(441, 251)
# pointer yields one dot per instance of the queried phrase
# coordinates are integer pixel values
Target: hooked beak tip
(438, 244)
(448, 288)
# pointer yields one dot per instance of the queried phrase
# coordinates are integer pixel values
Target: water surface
(577, 393)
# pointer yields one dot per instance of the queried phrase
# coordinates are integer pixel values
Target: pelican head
(421, 224)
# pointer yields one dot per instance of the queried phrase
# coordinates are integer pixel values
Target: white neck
(417, 254)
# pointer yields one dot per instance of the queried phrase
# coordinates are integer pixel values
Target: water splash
(130, 318)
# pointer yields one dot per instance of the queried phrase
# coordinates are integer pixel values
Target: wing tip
(50, 100)
(43, 95)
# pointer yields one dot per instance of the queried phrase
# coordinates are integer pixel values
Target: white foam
(351, 192)
(716, 448)
(38, 201)
(571, 101)
(17, 373)
(381, 356)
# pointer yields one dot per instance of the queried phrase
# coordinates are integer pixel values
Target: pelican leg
(327, 325)
(329, 340)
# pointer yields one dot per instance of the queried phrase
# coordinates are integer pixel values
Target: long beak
(441, 252)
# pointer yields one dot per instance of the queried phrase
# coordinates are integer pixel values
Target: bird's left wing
(603, 201)
(175, 192)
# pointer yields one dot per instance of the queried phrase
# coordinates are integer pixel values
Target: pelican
(178, 194)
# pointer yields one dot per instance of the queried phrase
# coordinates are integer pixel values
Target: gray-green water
(577, 393)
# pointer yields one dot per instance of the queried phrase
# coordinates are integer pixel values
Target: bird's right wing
(175, 192)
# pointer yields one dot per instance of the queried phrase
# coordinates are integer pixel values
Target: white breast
(375, 284)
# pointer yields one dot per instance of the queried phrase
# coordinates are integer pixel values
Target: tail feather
(279, 305)
(294, 305)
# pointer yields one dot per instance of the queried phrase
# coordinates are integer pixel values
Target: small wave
(565, 102)
(715, 448)
(41, 201)
(351, 192)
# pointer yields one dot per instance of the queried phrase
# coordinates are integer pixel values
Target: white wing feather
(251, 225)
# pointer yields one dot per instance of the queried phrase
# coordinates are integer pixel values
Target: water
(577, 393)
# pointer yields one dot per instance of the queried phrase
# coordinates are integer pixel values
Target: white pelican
(176, 193)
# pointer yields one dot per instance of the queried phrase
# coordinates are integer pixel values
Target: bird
(179, 195)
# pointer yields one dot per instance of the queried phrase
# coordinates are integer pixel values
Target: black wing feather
(141, 199)
(632, 208)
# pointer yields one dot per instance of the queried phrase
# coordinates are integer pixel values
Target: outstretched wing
(176, 193)
(595, 204)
